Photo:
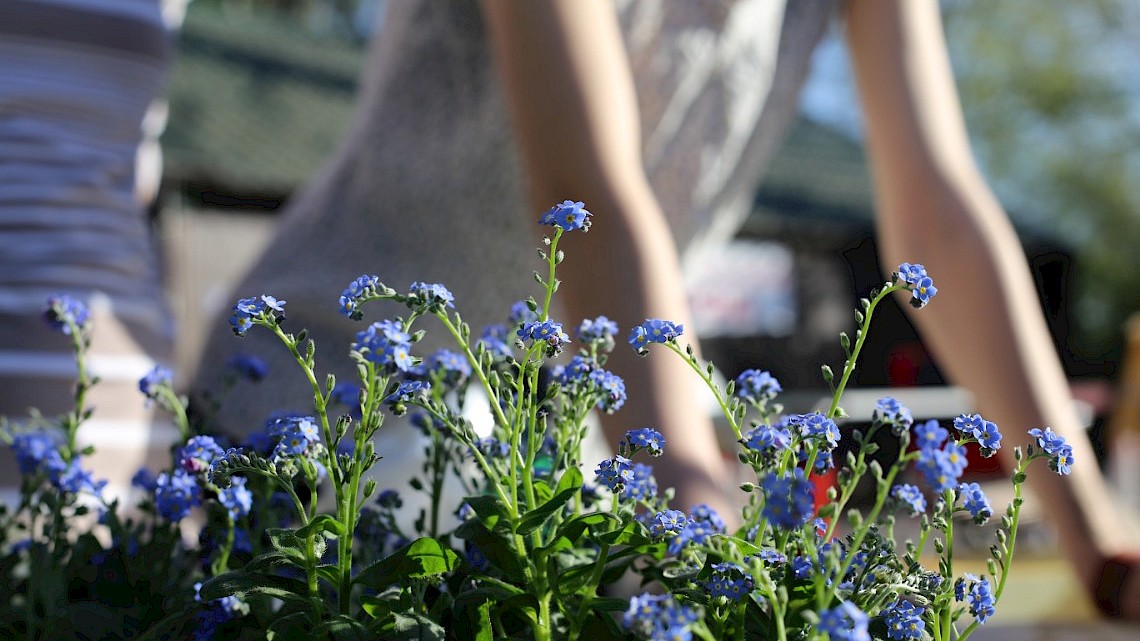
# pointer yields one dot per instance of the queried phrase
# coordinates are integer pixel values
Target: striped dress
(78, 112)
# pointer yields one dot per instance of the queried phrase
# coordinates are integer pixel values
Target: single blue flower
(844, 622)
(237, 499)
(757, 386)
(521, 313)
(364, 287)
(904, 621)
(569, 215)
(929, 435)
(668, 523)
(64, 311)
(645, 438)
(923, 291)
(802, 567)
(975, 502)
(910, 497)
(789, 500)
(1054, 445)
(154, 380)
(1062, 461)
(911, 273)
(251, 368)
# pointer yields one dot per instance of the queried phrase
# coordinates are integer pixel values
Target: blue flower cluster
(659, 617)
(38, 452)
(569, 215)
(357, 292)
(756, 386)
(198, 454)
(450, 366)
(921, 286)
(614, 473)
(600, 330)
(892, 414)
(904, 621)
(641, 485)
(64, 311)
(654, 330)
(978, 594)
(729, 580)
(237, 499)
(249, 310)
(294, 435)
(767, 439)
(547, 331)
(940, 467)
(175, 494)
(789, 501)
(703, 523)
(1060, 453)
(985, 432)
(493, 340)
(910, 497)
(386, 344)
(430, 297)
(645, 438)
(586, 377)
(975, 502)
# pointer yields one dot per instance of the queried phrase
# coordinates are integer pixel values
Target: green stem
(849, 365)
(588, 598)
(707, 378)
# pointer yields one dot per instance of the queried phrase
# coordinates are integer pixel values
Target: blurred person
(661, 116)
(79, 118)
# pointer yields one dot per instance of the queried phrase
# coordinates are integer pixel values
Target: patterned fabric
(78, 79)
(426, 184)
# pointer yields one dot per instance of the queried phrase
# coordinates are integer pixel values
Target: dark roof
(255, 104)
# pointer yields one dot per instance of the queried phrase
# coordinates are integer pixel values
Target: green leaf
(416, 627)
(292, 627)
(631, 534)
(422, 558)
(595, 522)
(494, 546)
(484, 631)
(489, 509)
(269, 561)
(568, 486)
(243, 583)
(345, 627)
(323, 523)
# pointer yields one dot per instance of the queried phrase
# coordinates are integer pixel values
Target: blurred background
(262, 90)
